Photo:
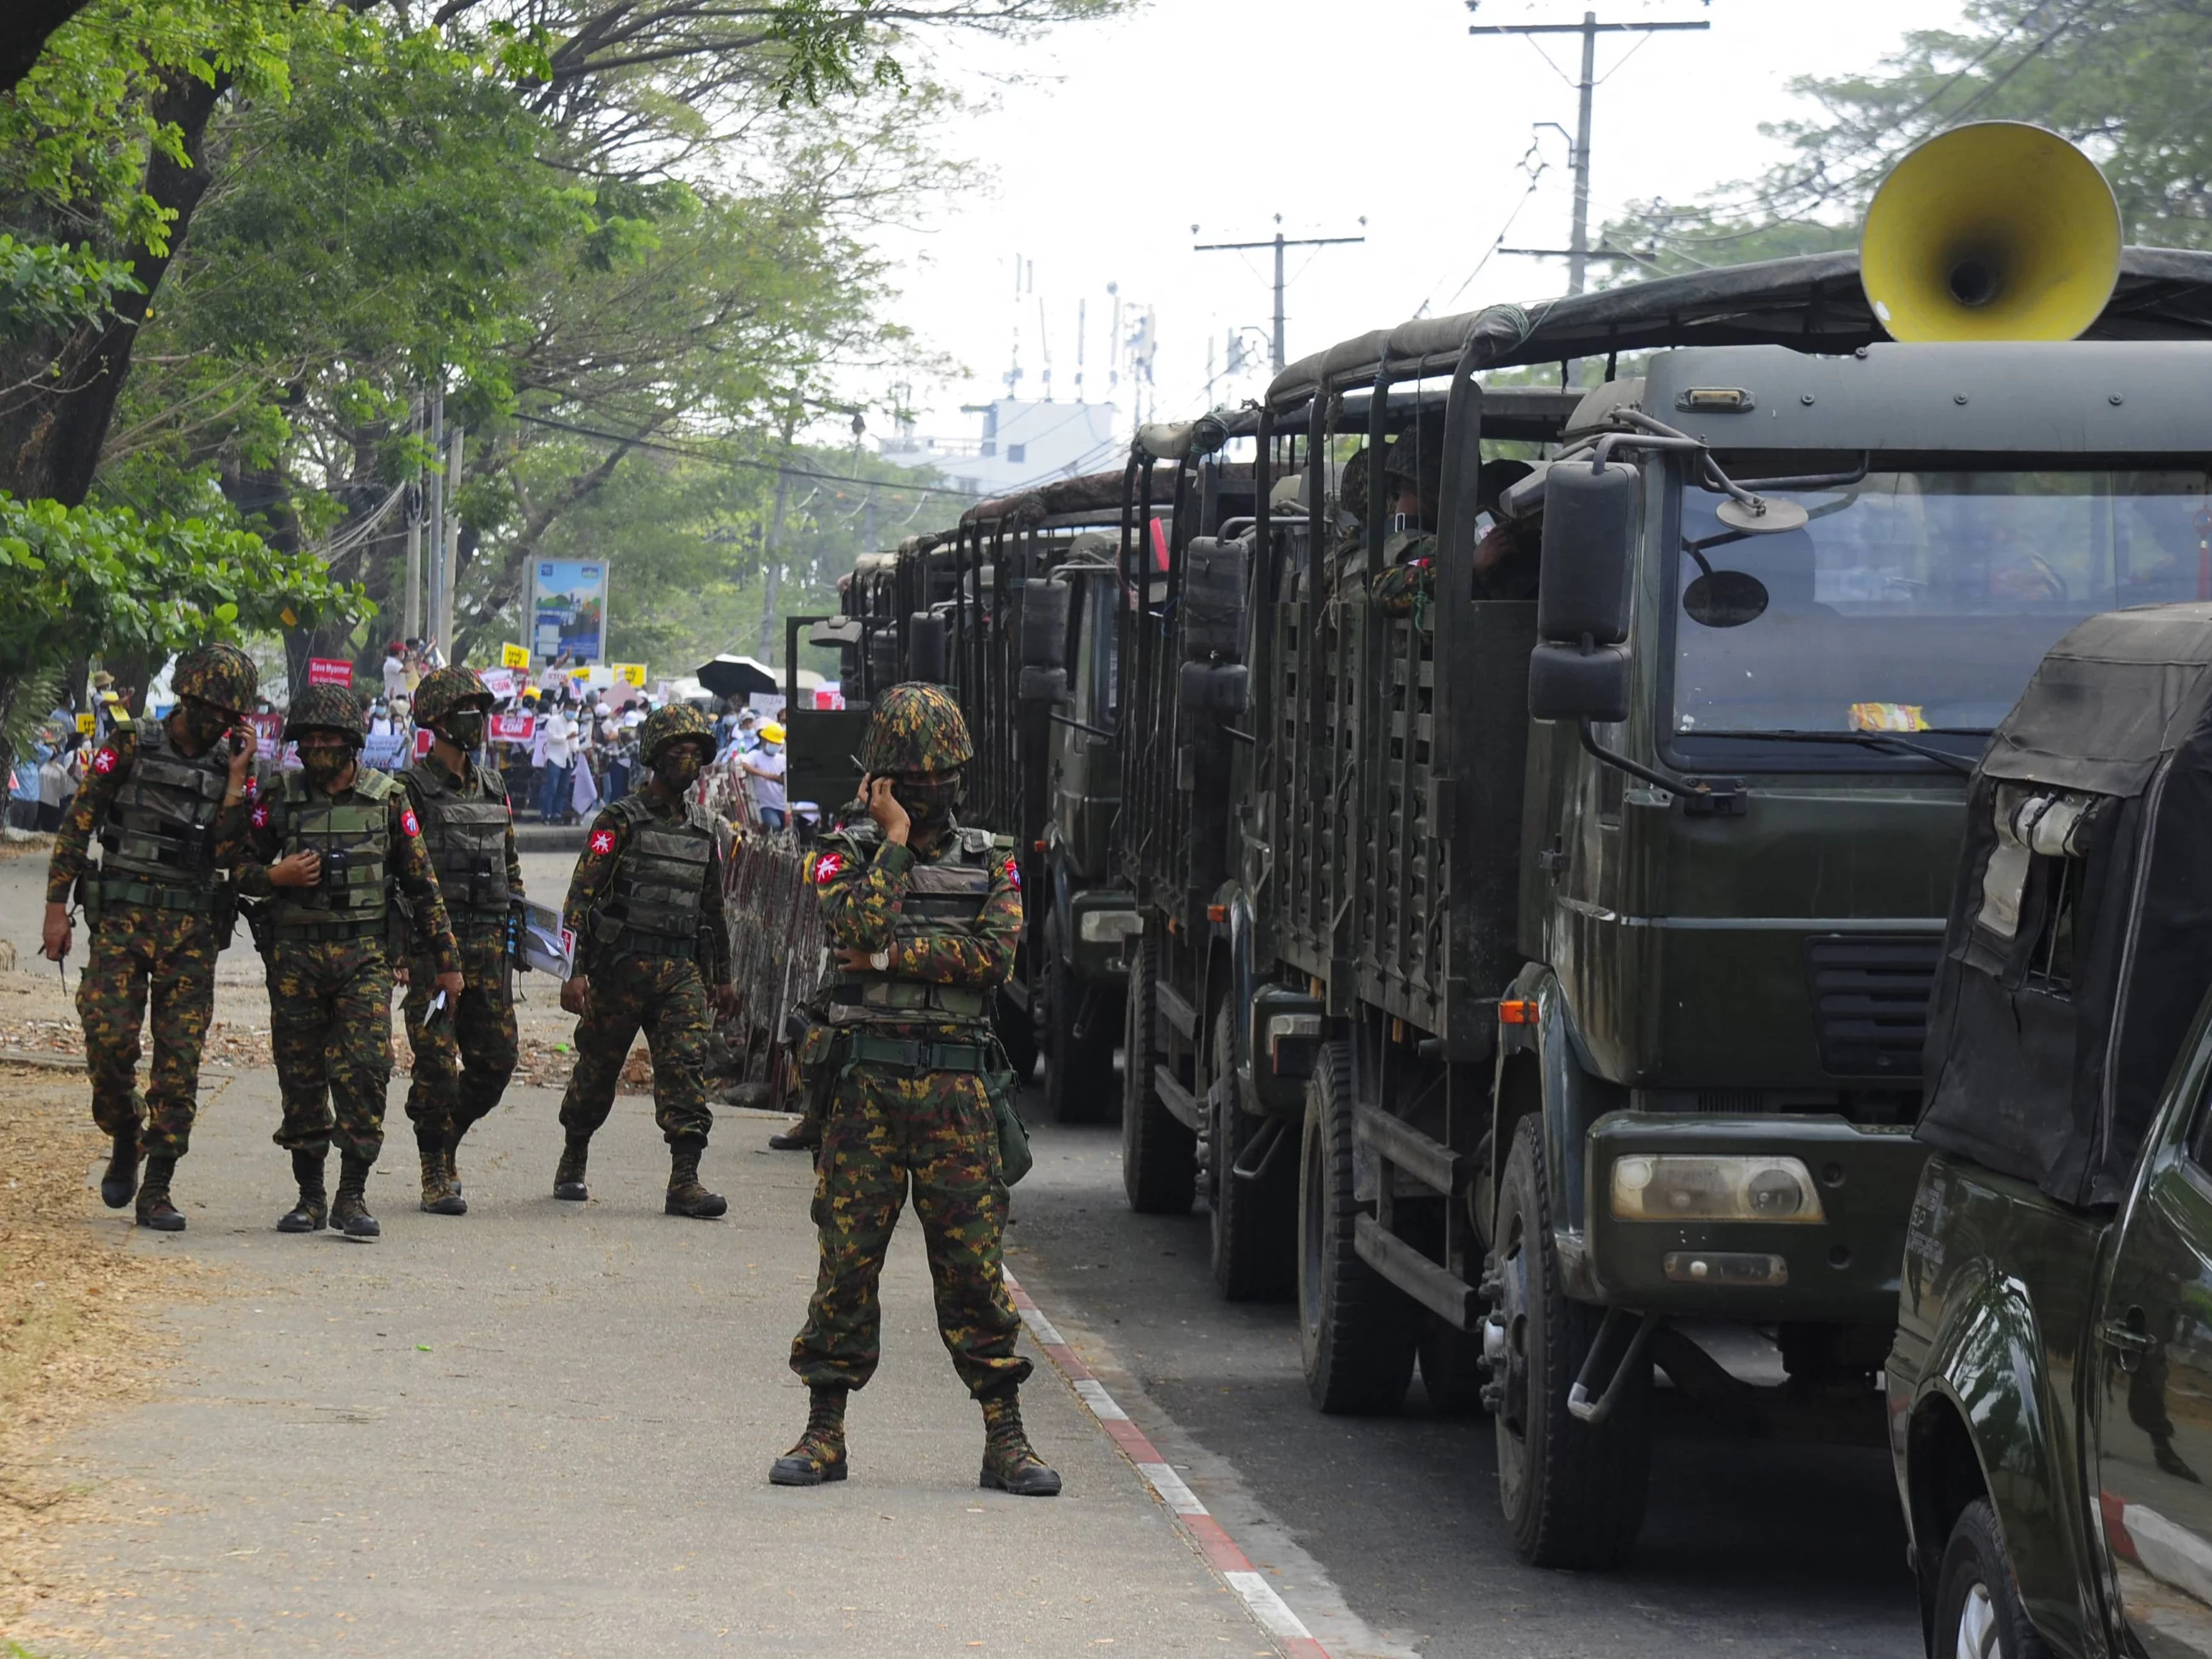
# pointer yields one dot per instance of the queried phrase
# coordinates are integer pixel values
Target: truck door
(2152, 1396)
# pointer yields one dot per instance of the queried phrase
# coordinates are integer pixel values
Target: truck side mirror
(1213, 678)
(1580, 670)
(1044, 641)
(926, 655)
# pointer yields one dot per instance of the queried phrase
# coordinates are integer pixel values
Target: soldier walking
(923, 916)
(169, 802)
(645, 909)
(464, 1055)
(327, 844)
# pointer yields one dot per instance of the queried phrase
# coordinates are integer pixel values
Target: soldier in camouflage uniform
(645, 909)
(327, 846)
(1504, 562)
(169, 804)
(464, 1055)
(923, 916)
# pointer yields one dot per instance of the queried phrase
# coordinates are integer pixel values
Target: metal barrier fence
(777, 952)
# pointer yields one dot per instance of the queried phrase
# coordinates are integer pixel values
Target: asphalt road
(1748, 1549)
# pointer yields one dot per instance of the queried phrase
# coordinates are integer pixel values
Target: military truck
(1598, 928)
(2052, 1361)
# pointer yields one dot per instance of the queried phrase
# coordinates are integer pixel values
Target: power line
(734, 460)
(1279, 244)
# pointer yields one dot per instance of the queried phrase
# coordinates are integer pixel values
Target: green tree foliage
(2122, 78)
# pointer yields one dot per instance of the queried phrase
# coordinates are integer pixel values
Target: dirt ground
(72, 1340)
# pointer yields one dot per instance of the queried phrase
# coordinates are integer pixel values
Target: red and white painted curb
(1213, 1542)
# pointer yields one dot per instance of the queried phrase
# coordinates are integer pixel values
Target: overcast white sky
(1225, 113)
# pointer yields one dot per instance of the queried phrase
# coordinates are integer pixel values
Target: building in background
(1022, 443)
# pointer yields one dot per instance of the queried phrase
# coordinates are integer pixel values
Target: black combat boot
(569, 1178)
(349, 1210)
(685, 1195)
(1010, 1464)
(120, 1179)
(804, 1135)
(819, 1456)
(154, 1209)
(440, 1196)
(313, 1209)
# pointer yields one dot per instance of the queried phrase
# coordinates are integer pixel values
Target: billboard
(568, 609)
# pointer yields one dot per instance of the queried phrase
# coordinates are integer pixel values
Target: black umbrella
(738, 676)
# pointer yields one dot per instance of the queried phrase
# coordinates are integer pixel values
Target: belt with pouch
(155, 896)
(866, 1048)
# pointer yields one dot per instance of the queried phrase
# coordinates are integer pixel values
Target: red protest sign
(329, 670)
(512, 728)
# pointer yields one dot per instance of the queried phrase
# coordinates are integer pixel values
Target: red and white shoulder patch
(260, 817)
(409, 822)
(103, 761)
(1014, 874)
(602, 843)
(828, 866)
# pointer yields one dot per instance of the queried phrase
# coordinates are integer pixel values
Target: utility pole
(1279, 243)
(772, 571)
(434, 553)
(450, 571)
(1577, 249)
(411, 609)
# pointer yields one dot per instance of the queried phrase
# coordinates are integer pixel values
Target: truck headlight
(1666, 1187)
(1109, 926)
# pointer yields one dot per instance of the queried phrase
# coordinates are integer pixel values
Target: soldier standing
(465, 1056)
(645, 909)
(923, 916)
(169, 802)
(326, 844)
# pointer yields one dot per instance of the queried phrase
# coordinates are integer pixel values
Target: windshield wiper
(1888, 740)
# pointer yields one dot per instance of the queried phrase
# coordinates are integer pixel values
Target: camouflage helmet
(917, 728)
(326, 708)
(673, 723)
(444, 689)
(221, 676)
(1419, 455)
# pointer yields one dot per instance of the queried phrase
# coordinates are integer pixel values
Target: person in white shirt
(556, 776)
(766, 766)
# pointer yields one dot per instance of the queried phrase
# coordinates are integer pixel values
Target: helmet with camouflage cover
(326, 708)
(673, 723)
(221, 676)
(444, 689)
(1419, 455)
(917, 728)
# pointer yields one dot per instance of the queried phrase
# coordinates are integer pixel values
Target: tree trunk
(49, 442)
(24, 33)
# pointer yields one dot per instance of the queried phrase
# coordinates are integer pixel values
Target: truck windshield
(1919, 600)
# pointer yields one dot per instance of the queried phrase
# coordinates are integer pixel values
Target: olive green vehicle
(2049, 1386)
(1592, 929)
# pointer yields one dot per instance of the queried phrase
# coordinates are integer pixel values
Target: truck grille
(1871, 1000)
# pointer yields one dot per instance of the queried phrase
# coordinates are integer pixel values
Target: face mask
(929, 804)
(324, 767)
(204, 724)
(463, 729)
(679, 767)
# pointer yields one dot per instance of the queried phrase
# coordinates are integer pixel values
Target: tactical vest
(466, 838)
(941, 899)
(157, 845)
(652, 906)
(352, 836)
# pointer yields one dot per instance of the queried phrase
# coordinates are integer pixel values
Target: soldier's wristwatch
(881, 962)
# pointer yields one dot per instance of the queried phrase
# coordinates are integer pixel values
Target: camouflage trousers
(463, 1062)
(138, 953)
(887, 1128)
(329, 1025)
(668, 1002)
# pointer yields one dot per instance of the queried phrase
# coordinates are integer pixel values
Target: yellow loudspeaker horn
(1994, 231)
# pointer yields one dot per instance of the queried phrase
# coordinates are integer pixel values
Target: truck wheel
(1451, 1369)
(1572, 1493)
(1978, 1614)
(1079, 1072)
(1255, 1222)
(1159, 1157)
(1356, 1329)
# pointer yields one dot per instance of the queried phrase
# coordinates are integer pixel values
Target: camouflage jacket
(861, 880)
(103, 776)
(603, 847)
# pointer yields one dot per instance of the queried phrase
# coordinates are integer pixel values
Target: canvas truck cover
(2079, 944)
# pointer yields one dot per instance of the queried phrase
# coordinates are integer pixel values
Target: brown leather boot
(685, 1195)
(819, 1456)
(439, 1195)
(1009, 1463)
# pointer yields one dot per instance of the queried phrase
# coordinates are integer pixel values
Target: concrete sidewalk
(545, 1429)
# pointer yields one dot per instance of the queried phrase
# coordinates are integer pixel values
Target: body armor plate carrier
(653, 904)
(352, 836)
(160, 832)
(466, 838)
(942, 898)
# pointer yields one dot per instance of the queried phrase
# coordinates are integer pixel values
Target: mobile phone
(237, 741)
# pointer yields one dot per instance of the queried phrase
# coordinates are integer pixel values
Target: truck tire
(1572, 1493)
(1079, 1072)
(1979, 1612)
(1451, 1369)
(1356, 1329)
(1159, 1157)
(1255, 1222)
